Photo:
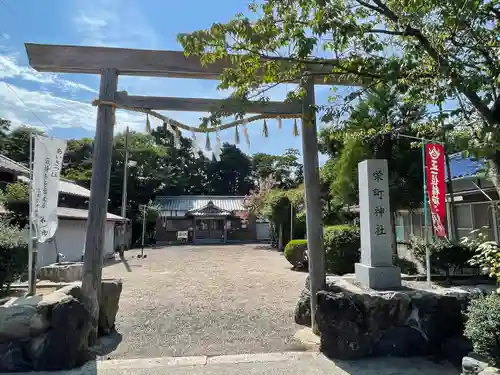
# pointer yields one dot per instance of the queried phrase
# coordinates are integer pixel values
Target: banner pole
(426, 219)
(31, 250)
(124, 194)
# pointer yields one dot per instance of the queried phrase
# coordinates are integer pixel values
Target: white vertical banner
(47, 165)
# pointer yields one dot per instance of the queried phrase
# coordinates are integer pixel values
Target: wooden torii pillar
(111, 62)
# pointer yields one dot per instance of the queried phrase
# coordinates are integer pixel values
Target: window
(403, 226)
(418, 224)
(482, 215)
(463, 216)
(483, 219)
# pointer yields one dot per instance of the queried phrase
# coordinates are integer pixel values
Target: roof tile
(65, 186)
(193, 202)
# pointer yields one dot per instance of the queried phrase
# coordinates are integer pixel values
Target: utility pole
(124, 189)
(98, 206)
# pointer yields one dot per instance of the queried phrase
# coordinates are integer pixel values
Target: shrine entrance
(210, 223)
(109, 63)
(209, 229)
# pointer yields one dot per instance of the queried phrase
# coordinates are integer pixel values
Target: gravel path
(206, 300)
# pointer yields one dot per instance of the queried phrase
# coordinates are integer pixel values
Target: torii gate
(111, 62)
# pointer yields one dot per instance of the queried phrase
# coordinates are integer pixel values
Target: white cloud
(55, 111)
(109, 23)
(10, 68)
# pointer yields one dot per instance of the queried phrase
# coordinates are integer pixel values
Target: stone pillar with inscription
(376, 270)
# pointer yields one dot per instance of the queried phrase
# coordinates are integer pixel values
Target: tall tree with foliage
(286, 169)
(232, 174)
(5, 126)
(145, 163)
(17, 143)
(184, 169)
(77, 164)
(431, 50)
(372, 131)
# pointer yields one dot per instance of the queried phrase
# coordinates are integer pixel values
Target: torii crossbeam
(112, 62)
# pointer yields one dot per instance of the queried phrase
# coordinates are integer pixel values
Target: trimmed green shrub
(15, 199)
(342, 243)
(13, 254)
(296, 253)
(446, 256)
(483, 326)
(407, 266)
(488, 258)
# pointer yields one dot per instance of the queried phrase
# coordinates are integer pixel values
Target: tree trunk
(494, 170)
(389, 145)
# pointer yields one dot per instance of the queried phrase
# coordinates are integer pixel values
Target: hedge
(342, 248)
(483, 326)
(13, 254)
(296, 253)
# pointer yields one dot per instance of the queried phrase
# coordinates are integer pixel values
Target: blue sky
(62, 101)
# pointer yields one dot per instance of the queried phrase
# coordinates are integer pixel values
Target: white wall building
(69, 239)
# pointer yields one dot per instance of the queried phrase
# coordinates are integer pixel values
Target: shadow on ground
(107, 344)
(396, 366)
(265, 247)
(113, 261)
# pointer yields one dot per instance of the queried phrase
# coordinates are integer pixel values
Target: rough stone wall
(354, 323)
(50, 332)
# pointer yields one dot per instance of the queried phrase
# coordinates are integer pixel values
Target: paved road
(262, 364)
(206, 300)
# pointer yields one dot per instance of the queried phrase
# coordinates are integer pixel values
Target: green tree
(285, 170)
(432, 51)
(184, 170)
(5, 126)
(371, 131)
(146, 159)
(17, 144)
(15, 199)
(78, 161)
(232, 175)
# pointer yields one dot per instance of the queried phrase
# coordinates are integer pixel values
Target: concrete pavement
(284, 363)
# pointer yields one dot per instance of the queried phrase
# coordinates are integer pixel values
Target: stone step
(284, 363)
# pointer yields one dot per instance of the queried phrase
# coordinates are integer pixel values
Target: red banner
(434, 160)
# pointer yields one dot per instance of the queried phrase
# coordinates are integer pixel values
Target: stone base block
(62, 272)
(378, 278)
